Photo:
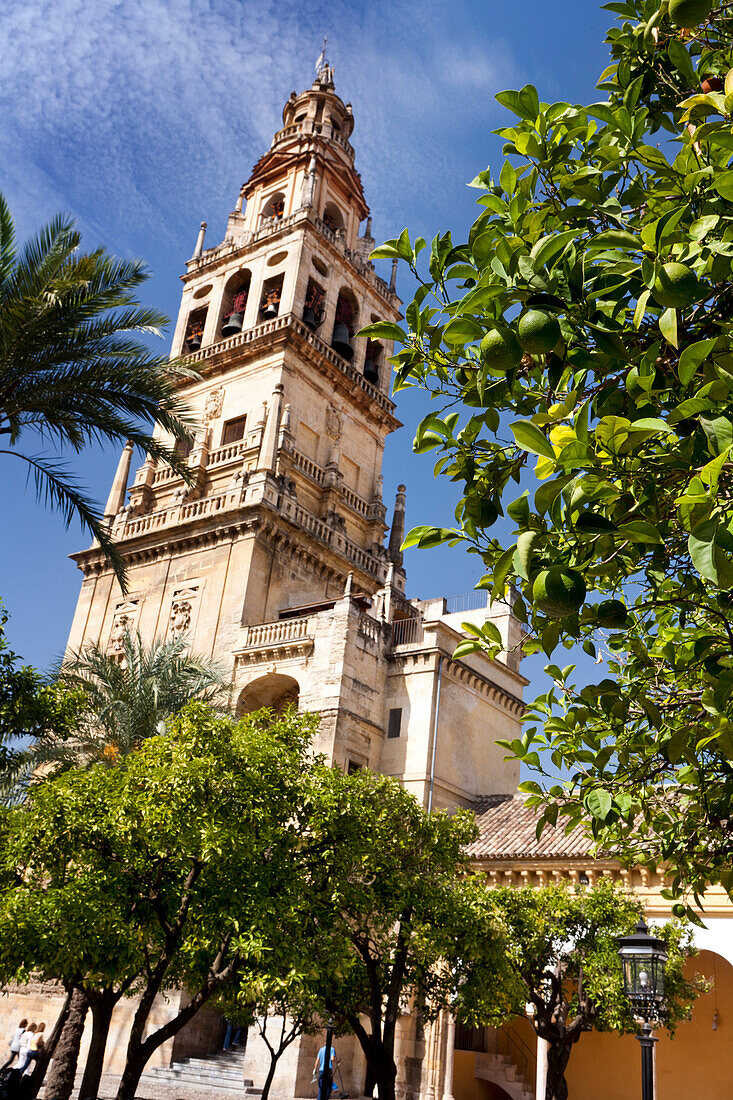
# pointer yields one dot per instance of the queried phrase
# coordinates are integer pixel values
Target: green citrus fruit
(689, 13)
(676, 285)
(728, 87)
(612, 613)
(558, 591)
(500, 349)
(538, 332)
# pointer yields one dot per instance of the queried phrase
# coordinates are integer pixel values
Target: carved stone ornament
(181, 615)
(180, 619)
(214, 402)
(334, 422)
(122, 622)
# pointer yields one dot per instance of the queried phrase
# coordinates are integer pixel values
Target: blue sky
(143, 117)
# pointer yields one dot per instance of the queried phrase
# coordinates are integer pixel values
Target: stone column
(118, 492)
(199, 242)
(541, 1080)
(450, 1047)
(268, 448)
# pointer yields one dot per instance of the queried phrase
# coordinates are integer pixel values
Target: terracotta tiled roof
(507, 831)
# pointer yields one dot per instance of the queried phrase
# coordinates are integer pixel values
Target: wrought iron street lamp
(644, 958)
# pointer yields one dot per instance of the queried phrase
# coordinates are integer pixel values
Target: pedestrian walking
(320, 1066)
(15, 1043)
(34, 1048)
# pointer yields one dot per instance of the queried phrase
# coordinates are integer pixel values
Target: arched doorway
(274, 691)
(694, 1063)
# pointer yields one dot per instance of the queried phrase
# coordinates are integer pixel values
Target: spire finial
(322, 62)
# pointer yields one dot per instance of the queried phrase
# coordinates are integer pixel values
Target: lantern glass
(644, 958)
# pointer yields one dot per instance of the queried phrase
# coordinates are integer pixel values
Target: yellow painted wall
(697, 1064)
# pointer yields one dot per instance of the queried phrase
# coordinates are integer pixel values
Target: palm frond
(55, 484)
(74, 367)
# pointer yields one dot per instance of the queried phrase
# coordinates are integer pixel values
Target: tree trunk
(134, 1066)
(270, 1075)
(558, 1055)
(60, 1082)
(102, 1008)
(39, 1070)
(386, 1076)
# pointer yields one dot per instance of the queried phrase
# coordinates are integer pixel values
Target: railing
(355, 501)
(468, 601)
(227, 453)
(504, 1041)
(407, 631)
(507, 1041)
(290, 321)
(166, 473)
(276, 633)
(247, 239)
(370, 629)
(307, 466)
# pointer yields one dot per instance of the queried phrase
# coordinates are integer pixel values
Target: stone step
(193, 1079)
(203, 1065)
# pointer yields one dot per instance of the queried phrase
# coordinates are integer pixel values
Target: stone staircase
(221, 1071)
(500, 1070)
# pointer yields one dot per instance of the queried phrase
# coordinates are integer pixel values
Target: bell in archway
(371, 371)
(268, 311)
(232, 325)
(341, 341)
(309, 318)
(193, 341)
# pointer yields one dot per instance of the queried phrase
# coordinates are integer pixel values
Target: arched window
(313, 311)
(195, 328)
(274, 690)
(347, 313)
(234, 303)
(272, 290)
(274, 208)
(373, 361)
(333, 219)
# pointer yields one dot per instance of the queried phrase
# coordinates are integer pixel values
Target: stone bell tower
(276, 561)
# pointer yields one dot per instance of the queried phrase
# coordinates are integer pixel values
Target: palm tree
(127, 697)
(74, 369)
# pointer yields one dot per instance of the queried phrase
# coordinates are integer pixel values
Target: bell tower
(275, 560)
(293, 409)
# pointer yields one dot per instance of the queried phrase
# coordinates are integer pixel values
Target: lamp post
(643, 958)
(324, 1093)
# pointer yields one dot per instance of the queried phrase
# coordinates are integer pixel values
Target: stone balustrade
(280, 632)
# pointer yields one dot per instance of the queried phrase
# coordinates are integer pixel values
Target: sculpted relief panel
(183, 603)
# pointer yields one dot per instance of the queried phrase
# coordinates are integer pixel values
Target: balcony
(286, 323)
(248, 240)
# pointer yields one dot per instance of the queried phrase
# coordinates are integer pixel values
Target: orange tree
(582, 334)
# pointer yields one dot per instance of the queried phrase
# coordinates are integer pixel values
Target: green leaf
(723, 184)
(384, 330)
(598, 803)
(547, 248)
(529, 437)
(617, 238)
(462, 330)
(719, 432)
(691, 358)
(668, 326)
(526, 542)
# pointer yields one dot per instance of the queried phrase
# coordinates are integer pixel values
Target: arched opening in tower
(313, 311)
(347, 314)
(234, 303)
(195, 328)
(274, 691)
(274, 208)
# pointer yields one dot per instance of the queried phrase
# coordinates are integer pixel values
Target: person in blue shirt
(319, 1065)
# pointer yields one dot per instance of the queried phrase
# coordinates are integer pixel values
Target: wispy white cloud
(143, 116)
